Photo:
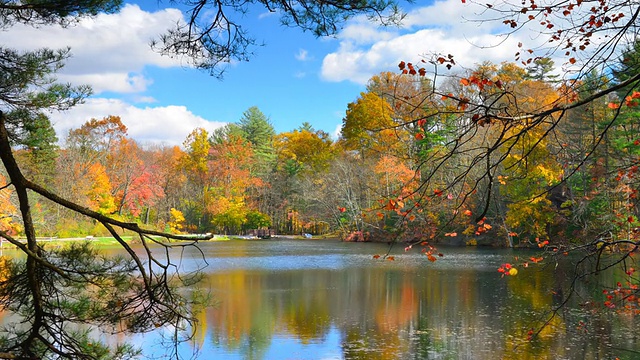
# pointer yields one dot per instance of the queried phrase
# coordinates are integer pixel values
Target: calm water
(312, 299)
(279, 299)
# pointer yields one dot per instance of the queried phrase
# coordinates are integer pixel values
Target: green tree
(256, 128)
(40, 142)
(542, 70)
(257, 220)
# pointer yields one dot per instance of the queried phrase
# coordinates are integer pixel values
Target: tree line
(384, 179)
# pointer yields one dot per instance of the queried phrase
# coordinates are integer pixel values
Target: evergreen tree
(256, 128)
(542, 69)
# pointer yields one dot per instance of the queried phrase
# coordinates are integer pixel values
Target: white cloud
(335, 135)
(162, 124)
(116, 82)
(440, 28)
(145, 99)
(109, 51)
(361, 31)
(268, 14)
(302, 55)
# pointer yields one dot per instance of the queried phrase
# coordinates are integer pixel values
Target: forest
(404, 168)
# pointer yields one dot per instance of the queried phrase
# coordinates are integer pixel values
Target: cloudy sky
(294, 78)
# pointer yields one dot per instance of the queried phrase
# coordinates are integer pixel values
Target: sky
(294, 78)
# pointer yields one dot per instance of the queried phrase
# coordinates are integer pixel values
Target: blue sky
(294, 78)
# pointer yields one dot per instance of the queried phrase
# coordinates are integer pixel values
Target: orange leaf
(390, 258)
(419, 136)
(572, 60)
(464, 81)
(390, 205)
(467, 212)
(376, 256)
(431, 258)
(613, 105)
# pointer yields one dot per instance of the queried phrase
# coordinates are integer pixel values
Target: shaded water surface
(281, 299)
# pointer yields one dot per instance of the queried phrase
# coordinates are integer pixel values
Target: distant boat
(308, 236)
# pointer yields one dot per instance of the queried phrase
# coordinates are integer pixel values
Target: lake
(323, 299)
(319, 299)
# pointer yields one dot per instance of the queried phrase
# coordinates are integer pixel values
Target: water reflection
(329, 300)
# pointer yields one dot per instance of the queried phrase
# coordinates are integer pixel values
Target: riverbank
(56, 242)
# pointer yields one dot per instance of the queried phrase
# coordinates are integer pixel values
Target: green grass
(99, 241)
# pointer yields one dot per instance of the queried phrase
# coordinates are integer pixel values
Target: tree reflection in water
(330, 300)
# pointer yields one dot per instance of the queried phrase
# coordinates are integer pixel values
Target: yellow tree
(8, 211)
(409, 95)
(193, 164)
(99, 193)
(310, 151)
(229, 183)
(530, 168)
(368, 126)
